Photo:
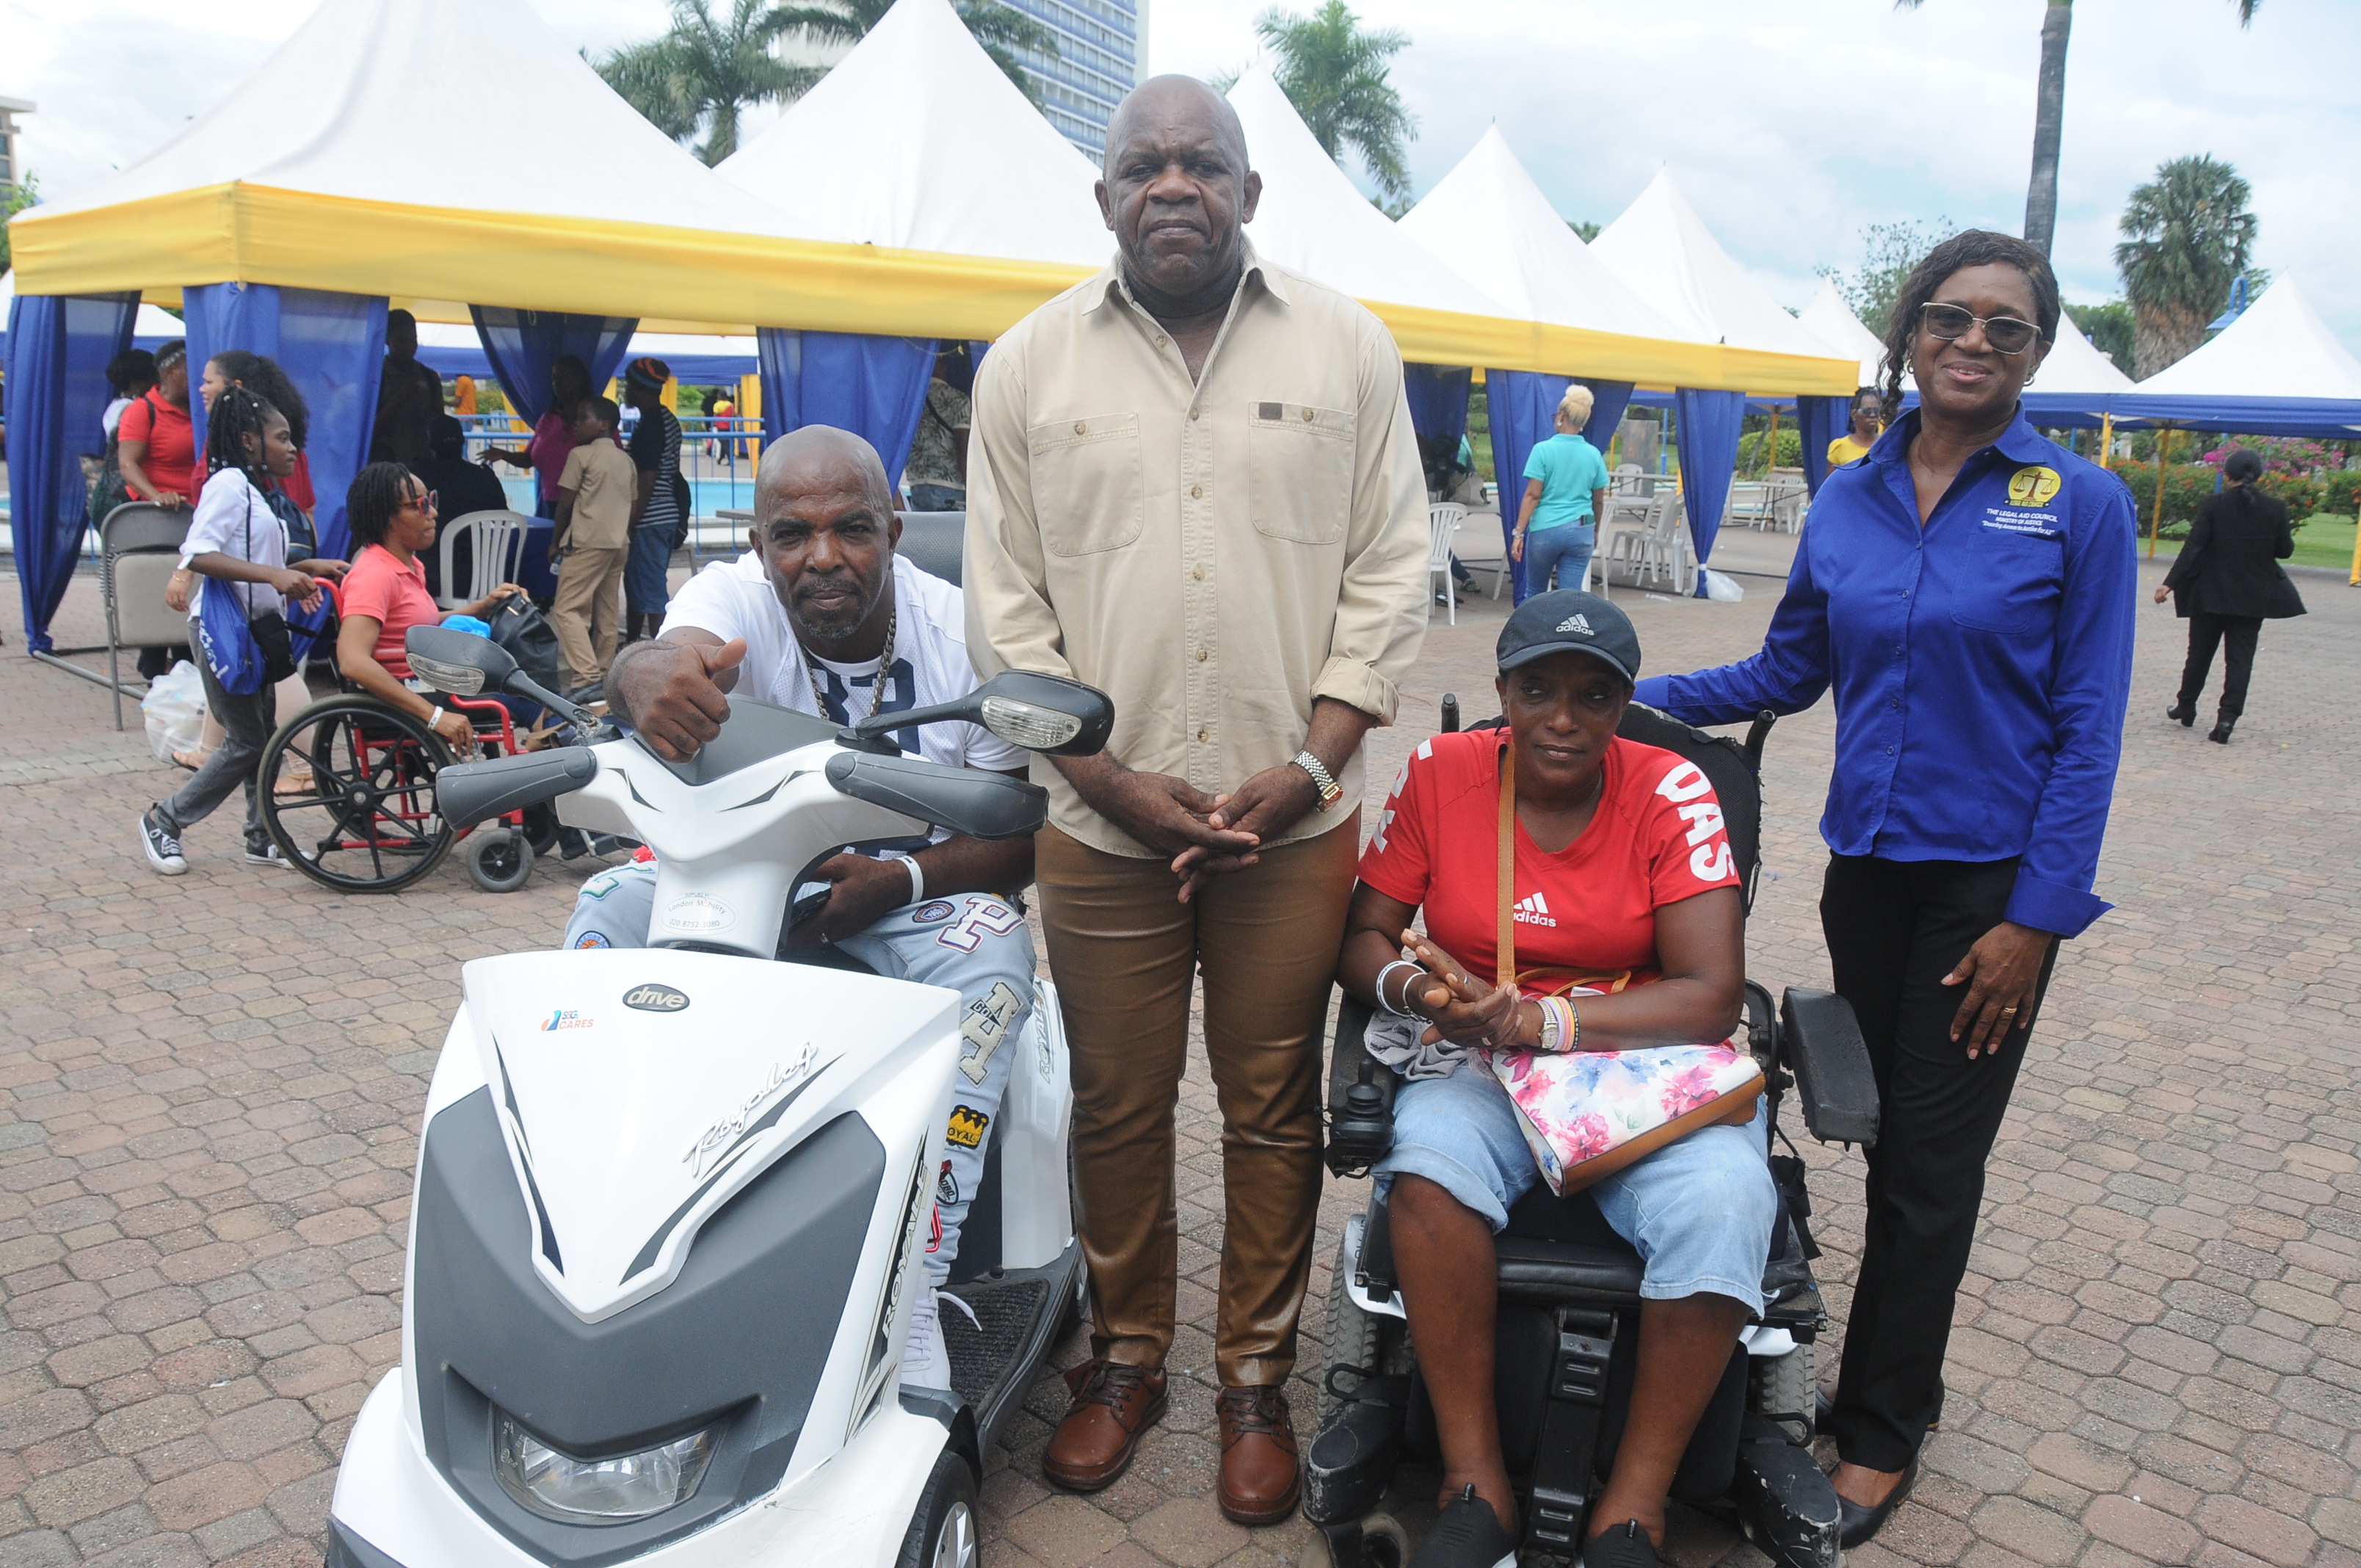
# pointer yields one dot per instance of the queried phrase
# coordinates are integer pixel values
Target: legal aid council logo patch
(2032, 486)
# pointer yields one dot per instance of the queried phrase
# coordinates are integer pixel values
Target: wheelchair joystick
(1451, 713)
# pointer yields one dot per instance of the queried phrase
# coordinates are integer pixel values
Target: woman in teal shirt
(1565, 489)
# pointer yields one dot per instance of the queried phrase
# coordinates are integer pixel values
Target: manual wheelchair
(1569, 1291)
(370, 824)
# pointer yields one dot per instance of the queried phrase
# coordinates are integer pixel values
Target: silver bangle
(1402, 1012)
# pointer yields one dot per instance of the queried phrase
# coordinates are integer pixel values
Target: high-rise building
(12, 168)
(1102, 55)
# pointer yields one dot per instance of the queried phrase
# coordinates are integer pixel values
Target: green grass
(2324, 539)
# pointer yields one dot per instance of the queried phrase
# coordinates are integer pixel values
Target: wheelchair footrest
(1352, 1454)
(1568, 1448)
(1785, 1505)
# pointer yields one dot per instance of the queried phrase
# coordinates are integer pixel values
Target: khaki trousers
(587, 610)
(1124, 949)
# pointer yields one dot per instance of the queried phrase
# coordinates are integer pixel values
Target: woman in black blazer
(2227, 583)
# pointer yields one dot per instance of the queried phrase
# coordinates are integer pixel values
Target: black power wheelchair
(1569, 1290)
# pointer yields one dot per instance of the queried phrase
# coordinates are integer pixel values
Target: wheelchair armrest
(1822, 1041)
(1361, 1095)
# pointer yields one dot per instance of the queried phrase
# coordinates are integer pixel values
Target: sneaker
(926, 1363)
(1624, 1545)
(1467, 1535)
(163, 846)
(268, 855)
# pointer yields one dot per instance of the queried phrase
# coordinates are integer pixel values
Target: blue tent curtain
(1523, 409)
(1438, 401)
(524, 344)
(1707, 431)
(57, 393)
(874, 386)
(1608, 402)
(1819, 421)
(330, 344)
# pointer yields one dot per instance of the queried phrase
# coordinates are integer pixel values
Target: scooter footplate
(983, 1357)
(1785, 1505)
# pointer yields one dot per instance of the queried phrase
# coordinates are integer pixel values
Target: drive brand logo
(656, 999)
(1533, 910)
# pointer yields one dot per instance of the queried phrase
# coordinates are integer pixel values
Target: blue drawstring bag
(226, 641)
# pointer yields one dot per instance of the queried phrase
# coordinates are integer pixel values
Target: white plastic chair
(496, 554)
(1442, 520)
(1628, 546)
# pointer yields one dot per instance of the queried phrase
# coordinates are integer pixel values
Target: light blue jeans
(1698, 1211)
(973, 943)
(1566, 548)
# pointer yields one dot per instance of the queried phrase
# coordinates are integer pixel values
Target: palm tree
(705, 70)
(1334, 73)
(2049, 113)
(2187, 237)
(1003, 31)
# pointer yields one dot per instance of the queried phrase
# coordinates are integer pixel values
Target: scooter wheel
(1384, 1544)
(946, 1533)
(498, 859)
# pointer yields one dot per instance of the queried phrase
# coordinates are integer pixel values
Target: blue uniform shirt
(1981, 664)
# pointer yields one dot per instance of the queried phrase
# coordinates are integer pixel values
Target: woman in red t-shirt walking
(1622, 871)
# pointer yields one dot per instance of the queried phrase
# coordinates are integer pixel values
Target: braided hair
(265, 378)
(236, 428)
(1968, 247)
(377, 493)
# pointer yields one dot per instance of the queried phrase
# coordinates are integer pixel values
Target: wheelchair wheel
(367, 824)
(499, 860)
(1384, 1544)
(1784, 1386)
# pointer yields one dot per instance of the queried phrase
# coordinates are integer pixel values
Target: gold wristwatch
(1322, 780)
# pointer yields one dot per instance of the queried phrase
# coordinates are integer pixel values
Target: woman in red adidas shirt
(1621, 868)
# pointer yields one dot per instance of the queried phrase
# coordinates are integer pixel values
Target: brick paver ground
(210, 1090)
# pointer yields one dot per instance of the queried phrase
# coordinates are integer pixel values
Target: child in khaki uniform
(593, 537)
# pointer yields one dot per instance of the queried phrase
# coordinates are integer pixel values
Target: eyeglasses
(427, 503)
(2005, 334)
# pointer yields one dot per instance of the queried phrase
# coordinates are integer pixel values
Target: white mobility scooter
(671, 1202)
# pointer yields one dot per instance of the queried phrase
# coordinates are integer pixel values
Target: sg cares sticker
(2032, 486)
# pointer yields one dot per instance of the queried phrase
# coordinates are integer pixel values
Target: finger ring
(2006, 1012)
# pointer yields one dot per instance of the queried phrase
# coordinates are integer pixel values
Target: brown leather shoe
(1112, 1405)
(1260, 1478)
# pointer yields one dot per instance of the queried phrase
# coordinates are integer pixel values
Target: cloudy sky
(1790, 125)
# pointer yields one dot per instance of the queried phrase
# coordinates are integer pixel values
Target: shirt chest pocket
(2016, 584)
(1298, 471)
(1088, 484)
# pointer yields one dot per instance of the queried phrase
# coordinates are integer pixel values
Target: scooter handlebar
(467, 793)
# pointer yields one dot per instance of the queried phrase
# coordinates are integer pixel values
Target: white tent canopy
(1313, 220)
(2076, 368)
(917, 140)
(1489, 223)
(2276, 369)
(1663, 253)
(1829, 319)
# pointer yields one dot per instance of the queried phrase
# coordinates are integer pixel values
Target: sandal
(191, 760)
(295, 782)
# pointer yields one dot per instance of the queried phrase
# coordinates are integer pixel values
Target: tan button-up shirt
(1211, 554)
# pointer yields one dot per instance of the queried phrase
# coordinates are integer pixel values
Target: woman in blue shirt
(1967, 592)
(1565, 486)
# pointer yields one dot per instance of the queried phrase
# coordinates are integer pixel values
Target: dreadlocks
(263, 377)
(1970, 247)
(234, 429)
(377, 493)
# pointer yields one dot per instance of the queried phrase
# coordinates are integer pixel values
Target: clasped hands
(1206, 835)
(1460, 1009)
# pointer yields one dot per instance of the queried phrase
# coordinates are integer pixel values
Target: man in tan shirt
(1193, 484)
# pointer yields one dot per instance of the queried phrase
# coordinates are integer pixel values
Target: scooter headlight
(556, 1485)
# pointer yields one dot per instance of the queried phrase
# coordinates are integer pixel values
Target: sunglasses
(2005, 334)
(427, 503)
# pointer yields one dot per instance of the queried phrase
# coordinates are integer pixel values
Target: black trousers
(1895, 929)
(2239, 631)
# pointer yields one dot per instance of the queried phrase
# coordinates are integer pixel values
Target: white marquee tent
(1663, 253)
(2277, 370)
(1830, 320)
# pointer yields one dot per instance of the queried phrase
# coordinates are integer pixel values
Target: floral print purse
(1586, 1114)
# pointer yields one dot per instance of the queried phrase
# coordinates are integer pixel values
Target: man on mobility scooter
(821, 617)
(1626, 907)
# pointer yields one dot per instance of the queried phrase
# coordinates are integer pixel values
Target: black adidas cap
(1568, 621)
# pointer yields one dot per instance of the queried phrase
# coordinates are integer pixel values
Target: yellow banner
(667, 276)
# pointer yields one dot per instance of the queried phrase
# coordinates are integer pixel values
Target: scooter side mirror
(460, 663)
(1048, 714)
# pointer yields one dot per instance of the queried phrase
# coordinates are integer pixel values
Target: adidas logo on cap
(1576, 623)
(1533, 910)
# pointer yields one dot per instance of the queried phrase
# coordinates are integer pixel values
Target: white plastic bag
(1722, 590)
(175, 709)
